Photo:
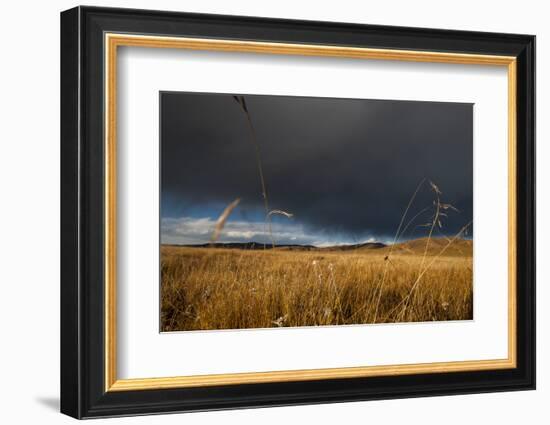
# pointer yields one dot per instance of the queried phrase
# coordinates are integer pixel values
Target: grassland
(220, 288)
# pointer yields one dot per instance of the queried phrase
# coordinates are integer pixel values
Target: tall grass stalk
(395, 239)
(241, 101)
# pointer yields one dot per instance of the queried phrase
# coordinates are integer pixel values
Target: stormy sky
(345, 168)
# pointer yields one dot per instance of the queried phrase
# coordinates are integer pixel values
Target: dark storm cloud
(342, 166)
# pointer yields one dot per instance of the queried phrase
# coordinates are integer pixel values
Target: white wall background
(29, 213)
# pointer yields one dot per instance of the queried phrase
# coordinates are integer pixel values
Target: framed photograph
(261, 212)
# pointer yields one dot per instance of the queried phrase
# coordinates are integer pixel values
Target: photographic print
(286, 211)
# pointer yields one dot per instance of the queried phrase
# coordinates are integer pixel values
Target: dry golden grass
(217, 288)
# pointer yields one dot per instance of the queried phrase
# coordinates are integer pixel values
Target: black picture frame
(83, 392)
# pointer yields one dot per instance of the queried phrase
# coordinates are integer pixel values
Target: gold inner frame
(113, 41)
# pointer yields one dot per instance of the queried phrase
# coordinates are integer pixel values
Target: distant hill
(287, 247)
(459, 247)
(367, 245)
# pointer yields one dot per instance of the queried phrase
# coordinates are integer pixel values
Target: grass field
(221, 288)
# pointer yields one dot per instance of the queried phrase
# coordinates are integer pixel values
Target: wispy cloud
(191, 230)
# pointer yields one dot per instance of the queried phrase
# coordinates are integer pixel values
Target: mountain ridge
(457, 246)
(290, 247)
